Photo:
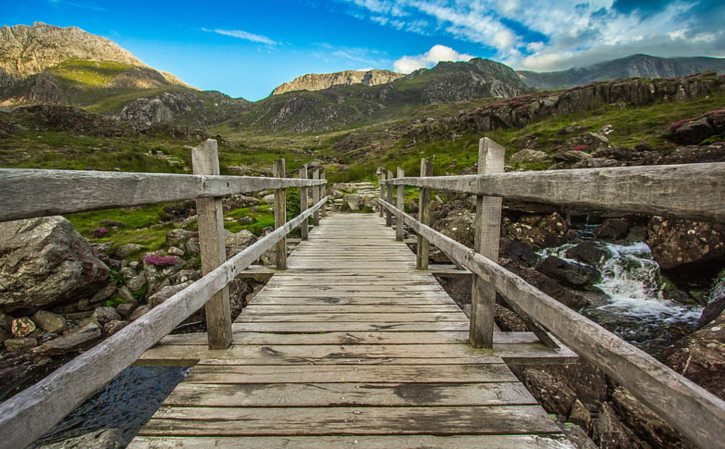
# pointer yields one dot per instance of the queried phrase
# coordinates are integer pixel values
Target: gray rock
(18, 344)
(77, 340)
(105, 314)
(239, 201)
(49, 322)
(96, 439)
(125, 294)
(527, 155)
(193, 245)
(127, 250)
(136, 283)
(175, 251)
(236, 242)
(114, 326)
(569, 273)
(178, 237)
(104, 293)
(44, 261)
(268, 199)
(580, 416)
(166, 293)
(5, 321)
(612, 229)
(126, 309)
(587, 252)
(139, 312)
(352, 201)
(22, 327)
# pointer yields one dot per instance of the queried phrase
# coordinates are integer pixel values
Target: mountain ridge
(320, 81)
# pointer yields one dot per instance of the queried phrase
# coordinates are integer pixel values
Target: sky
(246, 48)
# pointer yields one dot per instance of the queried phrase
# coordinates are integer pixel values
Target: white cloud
(436, 54)
(244, 35)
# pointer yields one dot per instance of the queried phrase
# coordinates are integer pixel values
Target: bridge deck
(350, 347)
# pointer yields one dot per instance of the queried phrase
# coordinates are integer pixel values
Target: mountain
(320, 81)
(342, 106)
(634, 66)
(45, 64)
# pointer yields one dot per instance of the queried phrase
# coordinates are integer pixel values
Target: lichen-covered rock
(105, 314)
(22, 327)
(555, 396)
(166, 293)
(19, 344)
(684, 244)
(237, 242)
(44, 261)
(610, 433)
(49, 322)
(546, 230)
(529, 155)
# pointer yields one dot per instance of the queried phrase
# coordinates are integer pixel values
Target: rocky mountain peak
(320, 81)
(28, 50)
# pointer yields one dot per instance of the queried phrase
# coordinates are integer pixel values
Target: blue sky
(246, 48)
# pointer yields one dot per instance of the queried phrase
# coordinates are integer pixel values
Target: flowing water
(125, 403)
(633, 301)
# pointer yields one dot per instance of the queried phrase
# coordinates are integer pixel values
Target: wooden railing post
(323, 193)
(280, 215)
(400, 205)
(205, 161)
(488, 224)
(381, 178)
(423, 247)
(304, 227)
(389, 199)
(316, 196)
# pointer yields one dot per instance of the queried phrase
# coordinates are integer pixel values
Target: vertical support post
(400, 205)
(423, 247)
(389, 199)
(488, 225)
(305, 226)
(323, 193)
(316, 196)
(381, 178)
(205, 161)
(280, 215)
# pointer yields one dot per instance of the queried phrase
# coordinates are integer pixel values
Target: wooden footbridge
(352, 343)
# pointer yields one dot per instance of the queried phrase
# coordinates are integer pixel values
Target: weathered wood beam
(381, 179)
(280, 215)
(28, 415)
(401, 205)
(304, 198)
(488, 225)
(694, 191)
(422, 247)
(686, 406)
(389, 198)
(36, 193)
(316, 196)
(205, 161)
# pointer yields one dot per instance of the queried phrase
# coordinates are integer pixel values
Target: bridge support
(381, 179)
(305, 226)
(423, 247)
(488, 229)
(205, 161)
(323, 193)
(316, 196)
(389, 199)
(399, 225)
(280, 215)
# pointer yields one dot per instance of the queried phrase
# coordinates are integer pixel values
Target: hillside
(320, 81)
(343, 106)
(67, 66)
(640, 66)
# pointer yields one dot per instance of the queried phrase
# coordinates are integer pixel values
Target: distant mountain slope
(45, 64)
(320, 81)
(345, 105)
(643, 66)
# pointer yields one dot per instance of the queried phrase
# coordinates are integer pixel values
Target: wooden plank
(359, 442)
(26, 193)
(381, 317)
(29, 414)
(266, 310)
(423, 247)
(488, 224)
(401, 206)
(694, 191)
(280, 215)
(319, 394)
(233, 421)
(378, 300)
(672, 396)
(205, 161)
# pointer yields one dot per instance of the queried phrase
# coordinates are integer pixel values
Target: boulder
(685, 245)
(77, 340)
(351, 202)
(105, 314)
(589, 253)
(104, 293)
(137, 283)
(715, 303)
(612, 229)
(580, 416)
(44, 261)
(179, 237)
(126, 309)
(578, 437)
(645, 423)
(239, 201)
(22, 327)
(236, 242)
(49, 322)
(701, 356)
(610, 433)
(539, 230)
(573, 274)
(518, 252)
(175, 251)
(458, 225)
(526, 156)
(268, 199)
(555, 396)
(565, 295)
(139, 312)
(129, 249)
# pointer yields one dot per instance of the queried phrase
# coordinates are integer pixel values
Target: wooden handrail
(689, 408)
(36, 193)
(694, 191)
(28, 415)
